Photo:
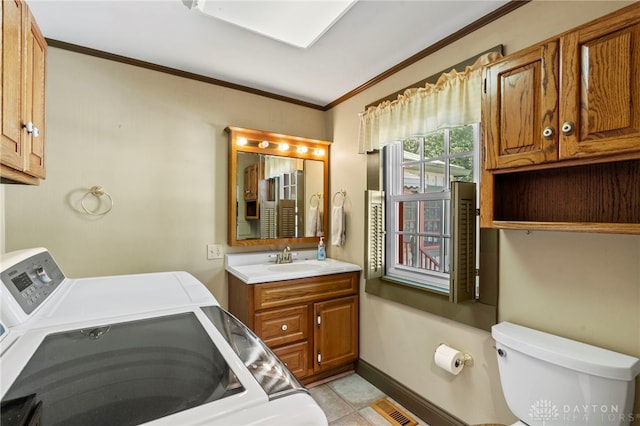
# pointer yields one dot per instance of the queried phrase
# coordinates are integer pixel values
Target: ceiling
(371, 37)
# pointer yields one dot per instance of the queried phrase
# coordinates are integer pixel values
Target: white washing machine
(152, 349)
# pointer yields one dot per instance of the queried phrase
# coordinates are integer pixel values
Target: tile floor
(346, 401)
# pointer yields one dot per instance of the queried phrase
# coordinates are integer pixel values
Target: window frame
(393, 169)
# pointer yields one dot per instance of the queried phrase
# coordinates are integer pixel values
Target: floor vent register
(392, 413)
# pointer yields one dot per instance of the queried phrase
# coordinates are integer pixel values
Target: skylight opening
(299, 23)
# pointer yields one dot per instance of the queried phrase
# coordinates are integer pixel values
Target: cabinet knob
(284, 327)
(548, 132)
(568, 127)
(31, 129)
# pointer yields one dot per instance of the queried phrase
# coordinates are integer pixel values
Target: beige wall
(582, 286)
(156, 143)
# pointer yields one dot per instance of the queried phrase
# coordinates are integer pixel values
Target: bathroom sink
(304, 265)
(259, 268)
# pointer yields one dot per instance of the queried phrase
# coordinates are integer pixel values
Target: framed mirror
(278, 186)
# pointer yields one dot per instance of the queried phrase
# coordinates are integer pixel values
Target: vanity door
(336, 332)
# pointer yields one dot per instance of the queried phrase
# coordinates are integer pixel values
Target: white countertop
(253, 268)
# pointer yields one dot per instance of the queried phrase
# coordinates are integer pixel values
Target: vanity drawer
(280, 326)
(294, 357)
(305, 290)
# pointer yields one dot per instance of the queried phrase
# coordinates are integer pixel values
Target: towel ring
(97, 191)
(315, 197)
(342, 195)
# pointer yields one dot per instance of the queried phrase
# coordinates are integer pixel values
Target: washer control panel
(32, 280)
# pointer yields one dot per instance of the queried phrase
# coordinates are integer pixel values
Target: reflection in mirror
(277, 188)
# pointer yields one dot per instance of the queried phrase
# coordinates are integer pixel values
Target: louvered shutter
(462, 286)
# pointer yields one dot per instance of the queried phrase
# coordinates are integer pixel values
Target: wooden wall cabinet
(251, 174)
(311, 324)
(561, 123)
(22, 135)
(572, 97)
(251, 191)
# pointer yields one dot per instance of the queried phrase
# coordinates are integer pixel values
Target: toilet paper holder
(467, 360)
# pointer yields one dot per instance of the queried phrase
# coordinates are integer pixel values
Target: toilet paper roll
(449, 359)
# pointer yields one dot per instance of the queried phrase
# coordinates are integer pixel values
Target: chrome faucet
(285, 257)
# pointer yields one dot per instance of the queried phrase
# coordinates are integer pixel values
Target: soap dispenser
(322, 255)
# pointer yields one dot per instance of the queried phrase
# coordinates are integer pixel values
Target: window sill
(475, 314)
(416, 285)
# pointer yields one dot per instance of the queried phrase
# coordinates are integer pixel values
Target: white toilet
(552, 381)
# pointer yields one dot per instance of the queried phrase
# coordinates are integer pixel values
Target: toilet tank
(551, 380)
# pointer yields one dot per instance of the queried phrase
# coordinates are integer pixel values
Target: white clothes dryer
(153, 349)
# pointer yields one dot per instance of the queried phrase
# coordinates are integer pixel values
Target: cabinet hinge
(319, 358)
(477, 212)
(318, 320)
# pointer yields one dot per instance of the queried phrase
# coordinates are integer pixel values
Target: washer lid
(125, 373)
(567, 353)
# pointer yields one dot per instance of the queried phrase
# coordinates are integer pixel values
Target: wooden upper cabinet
(35, 51)
(251, 177)
(600, 93)
(11, 153)
(572, 97)
(22, 137)
(561, 123)
(520, 101)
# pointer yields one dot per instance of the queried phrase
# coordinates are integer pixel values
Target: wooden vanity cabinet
(311, 324)
(22, 123)
(561, 131)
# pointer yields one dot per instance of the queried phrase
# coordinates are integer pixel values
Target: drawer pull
(284, 327)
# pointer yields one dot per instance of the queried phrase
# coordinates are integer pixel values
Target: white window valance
(277, 166)
(454, 100)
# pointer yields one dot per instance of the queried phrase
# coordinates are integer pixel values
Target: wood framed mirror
(278, 188)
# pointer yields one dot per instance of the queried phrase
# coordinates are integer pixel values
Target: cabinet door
(12, 151)
(35, 49)
(251, 183)
(520, 103)
(600, 94)
(336, 333)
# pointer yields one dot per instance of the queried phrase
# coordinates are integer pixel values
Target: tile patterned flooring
(346, 401)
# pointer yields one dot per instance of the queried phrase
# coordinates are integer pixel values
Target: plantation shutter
(374, 244)
(462, 286)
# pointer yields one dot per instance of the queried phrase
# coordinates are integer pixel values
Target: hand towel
(312, 221)
(338, 226)
(319, 230)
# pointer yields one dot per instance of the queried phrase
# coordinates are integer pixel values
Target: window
(417, 186)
